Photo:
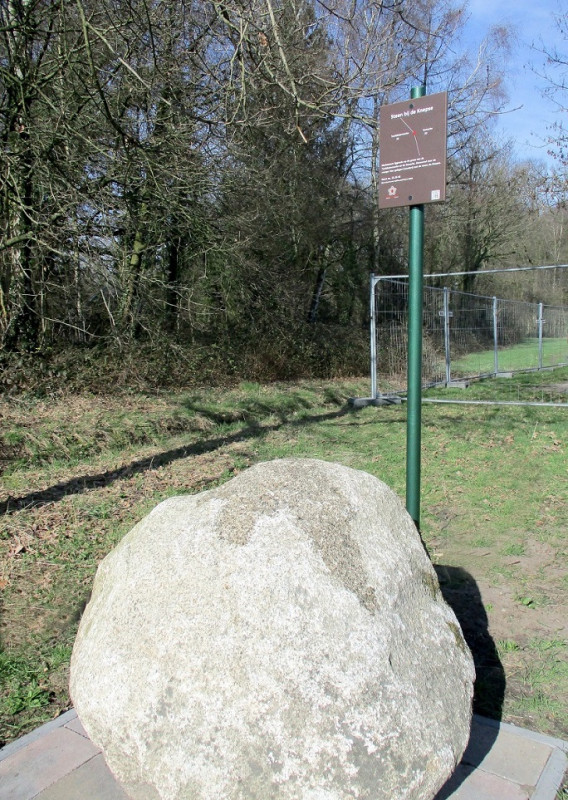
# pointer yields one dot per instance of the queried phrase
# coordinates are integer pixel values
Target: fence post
(374, 393)
(495, 338)
(540, 324)
(447, 334)
(414, 364)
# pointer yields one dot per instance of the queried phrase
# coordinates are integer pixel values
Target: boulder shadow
(461, 593)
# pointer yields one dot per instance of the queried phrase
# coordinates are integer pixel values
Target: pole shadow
(253, 429)
(461, 593)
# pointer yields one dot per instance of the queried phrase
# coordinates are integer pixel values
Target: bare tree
(555, 75)
(205, 169)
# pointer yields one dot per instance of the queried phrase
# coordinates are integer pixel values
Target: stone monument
(281, 637)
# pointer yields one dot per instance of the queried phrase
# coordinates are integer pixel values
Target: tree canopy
(207, 171)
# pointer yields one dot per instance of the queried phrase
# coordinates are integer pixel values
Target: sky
(534, 27)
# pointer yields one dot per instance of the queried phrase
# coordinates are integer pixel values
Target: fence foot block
(383, 400)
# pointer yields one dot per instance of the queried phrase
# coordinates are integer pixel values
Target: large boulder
(281, 637)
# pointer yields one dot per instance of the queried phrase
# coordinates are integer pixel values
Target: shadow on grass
(461, 592)
(253, 411)
(253, 429)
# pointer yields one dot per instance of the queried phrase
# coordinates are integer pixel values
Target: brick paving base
(502, 762)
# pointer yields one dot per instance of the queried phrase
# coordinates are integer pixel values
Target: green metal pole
(414, 393)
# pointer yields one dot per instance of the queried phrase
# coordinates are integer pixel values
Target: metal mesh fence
(464, 335)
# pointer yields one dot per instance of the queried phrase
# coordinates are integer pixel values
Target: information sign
(412, 142)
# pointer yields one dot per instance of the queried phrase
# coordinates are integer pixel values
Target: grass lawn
(79, 471)
(517, 357)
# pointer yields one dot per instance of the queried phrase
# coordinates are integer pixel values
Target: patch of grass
(514, 549)
(529, 387)
(498, 571)
(27, 680)
(482, 541)
(520, 356)
(526, 601)
(20, 685)
(507, 646)
(544, 683)
(555, 646)
(88, 468)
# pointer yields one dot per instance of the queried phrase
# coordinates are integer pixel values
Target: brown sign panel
(412, 141)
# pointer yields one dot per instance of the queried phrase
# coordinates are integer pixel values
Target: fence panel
(464, 335)
(555, 336)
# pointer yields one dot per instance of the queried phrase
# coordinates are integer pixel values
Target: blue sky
(534, 27)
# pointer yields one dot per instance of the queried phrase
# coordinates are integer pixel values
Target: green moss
(430, 583)
(458, 636)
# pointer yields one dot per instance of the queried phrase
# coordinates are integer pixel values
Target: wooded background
(197, 181)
